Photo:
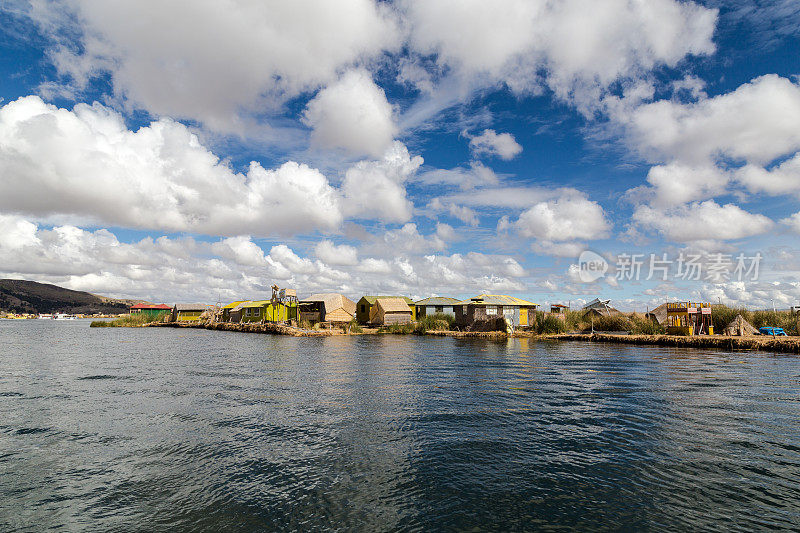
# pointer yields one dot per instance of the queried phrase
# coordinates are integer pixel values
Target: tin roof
(191, 307)
(495, 299)
(597, 303)
(438, 300)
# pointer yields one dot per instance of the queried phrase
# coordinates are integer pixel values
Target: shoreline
(280, 329)
(719, 342)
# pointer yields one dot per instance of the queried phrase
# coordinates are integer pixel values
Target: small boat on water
(64, 316)
(46, 316)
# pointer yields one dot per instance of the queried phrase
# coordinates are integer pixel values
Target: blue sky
(183, 152)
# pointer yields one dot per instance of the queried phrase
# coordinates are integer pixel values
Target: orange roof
(151, 306)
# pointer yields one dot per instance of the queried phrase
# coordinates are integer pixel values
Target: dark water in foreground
(158, 429)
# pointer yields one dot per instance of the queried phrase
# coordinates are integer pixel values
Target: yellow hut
(268, 311)
(188, 312)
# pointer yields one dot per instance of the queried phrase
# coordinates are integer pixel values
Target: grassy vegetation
(723, 315)
(129, 321)
(397, 329)
(435, 322)
(546, 323)
(641, 325)
(352, 327)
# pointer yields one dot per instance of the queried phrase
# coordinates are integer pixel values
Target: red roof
(151, 306)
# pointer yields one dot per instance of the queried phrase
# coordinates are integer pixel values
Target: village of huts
(484, 312)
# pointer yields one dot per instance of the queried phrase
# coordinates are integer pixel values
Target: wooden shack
(516, 311)
(150, 310)
(327, 307)
(188, 312)
(388, 311)
(435, 305)
(232, 312)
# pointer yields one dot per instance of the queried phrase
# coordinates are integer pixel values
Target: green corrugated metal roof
(438, 300)
(257, 303)
(234, 304)
(495, 299)
(263, 303)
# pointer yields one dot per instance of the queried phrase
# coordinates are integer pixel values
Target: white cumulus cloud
(574, 47)
(333, 254)
(209, 62)
(566, 218)
(352, 114)
(756, 123)
(703, 221)
(376, 189)
(85, 164)
(490, 142)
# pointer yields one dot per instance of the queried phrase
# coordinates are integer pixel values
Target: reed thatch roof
(393, 305)
(372, 299)
(739, 326)
(659, 314)
(333, 301)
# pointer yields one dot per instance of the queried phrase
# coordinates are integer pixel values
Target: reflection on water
(194, 430)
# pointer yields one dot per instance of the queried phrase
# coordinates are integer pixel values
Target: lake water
(193, 430)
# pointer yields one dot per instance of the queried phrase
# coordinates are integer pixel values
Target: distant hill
(20, 296)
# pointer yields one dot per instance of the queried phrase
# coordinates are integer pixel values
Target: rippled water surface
(159, 429)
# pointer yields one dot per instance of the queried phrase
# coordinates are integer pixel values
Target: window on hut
(491, 310)
(440, 309)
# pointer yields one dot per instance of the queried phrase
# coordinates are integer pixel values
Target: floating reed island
(712, 342)
(765, 343)
(679, 324)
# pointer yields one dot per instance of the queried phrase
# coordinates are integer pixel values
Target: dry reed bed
(719, 342)
(268, 327)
